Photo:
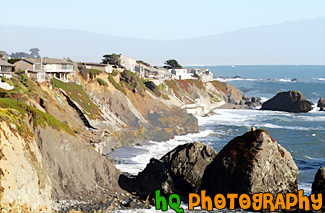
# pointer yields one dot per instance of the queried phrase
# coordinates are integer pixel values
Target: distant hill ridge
(295, 42)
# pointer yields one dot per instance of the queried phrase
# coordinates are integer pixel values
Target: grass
(102, 82)
(24, 88)
(164, 96)
(93, 73)
(15, 123)
(219, 85)
(37, 117)
(116, 85)
(114, 72)
(78, 94)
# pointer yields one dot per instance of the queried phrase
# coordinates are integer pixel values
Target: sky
(157, 19)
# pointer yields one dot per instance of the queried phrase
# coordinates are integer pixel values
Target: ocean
(303, 135)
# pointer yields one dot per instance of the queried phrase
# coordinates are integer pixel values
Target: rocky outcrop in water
(179, 171)
(291, 101)
(321, 104)
(251, 163)
(319, 183)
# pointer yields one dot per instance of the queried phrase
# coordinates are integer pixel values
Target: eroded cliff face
(24, 184)
(71, 125)
(76, 170)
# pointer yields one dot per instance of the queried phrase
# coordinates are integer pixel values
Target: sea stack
(251, 163)
(291, 101)
(319, 184)
(321, 104)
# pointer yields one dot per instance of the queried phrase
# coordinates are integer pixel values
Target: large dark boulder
(179, 171)
(154, 177)
(251, 163)
(186, 164)
(291, 101)
(321, 104)
(319, 184)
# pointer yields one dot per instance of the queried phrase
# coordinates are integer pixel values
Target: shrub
(102, 82)
(37, 117)
(78, 94)
(116, 85)
(93, 73)
(114, 72)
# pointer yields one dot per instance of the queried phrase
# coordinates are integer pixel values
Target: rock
(246, 98)
(242, 102)
(186, 164)
(191, 124)
(251, 163)
(319, 183)
(291, 101)
(255, 100)
(24, 184)
(321, 104)
(294, 80)
(179, 171)
(154, 177)
(74, 167)
(150, 85)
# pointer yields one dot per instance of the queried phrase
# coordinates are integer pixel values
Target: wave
(236, 79)
(134, 159)
(319, 79)
(306, 187)
(285, 80)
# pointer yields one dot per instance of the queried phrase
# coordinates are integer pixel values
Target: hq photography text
(257, 202)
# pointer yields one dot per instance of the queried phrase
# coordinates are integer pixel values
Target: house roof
(4, 63)
(46, 61)
(94, 64)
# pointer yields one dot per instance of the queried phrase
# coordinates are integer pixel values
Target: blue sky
(157, 19)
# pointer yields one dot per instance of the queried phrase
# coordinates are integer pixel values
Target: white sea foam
(236, 79)
(319, 79)
(285, 80)
(263, 99)
(306, 187)
(134, 159)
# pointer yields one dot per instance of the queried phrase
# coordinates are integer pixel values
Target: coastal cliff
(67, 128)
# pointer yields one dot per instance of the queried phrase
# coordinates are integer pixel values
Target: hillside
(61, 132)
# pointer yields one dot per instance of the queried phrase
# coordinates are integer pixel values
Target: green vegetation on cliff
(78, 94)
(24, 88)
(219, 85)
(37, 117)
(93, 73)
(102, 82)
(116, 85)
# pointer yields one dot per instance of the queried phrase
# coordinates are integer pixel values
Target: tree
(112, 59)
(19, 55)
(172, 64)
(34, 53)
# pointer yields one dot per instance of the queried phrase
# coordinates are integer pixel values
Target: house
(205, 75)
(6, 69)
(45, 69)
(128, 63)
(108, 68)
(181, 74)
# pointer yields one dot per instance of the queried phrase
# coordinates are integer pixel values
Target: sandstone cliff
(24, 184)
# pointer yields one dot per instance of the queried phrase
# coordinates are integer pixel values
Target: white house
(128, 63)
(108, 68)
(205, 75)
(45, 69)
(181, 74)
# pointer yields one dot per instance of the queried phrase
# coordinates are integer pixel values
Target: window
(37, 66)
